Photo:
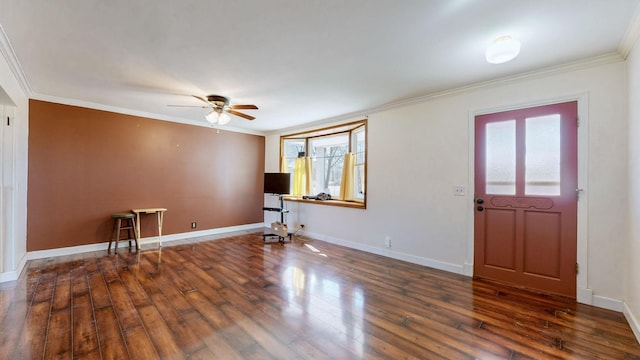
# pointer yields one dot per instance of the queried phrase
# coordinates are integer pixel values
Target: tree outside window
(326, 149)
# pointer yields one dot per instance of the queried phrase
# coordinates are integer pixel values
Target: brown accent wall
(86, 164)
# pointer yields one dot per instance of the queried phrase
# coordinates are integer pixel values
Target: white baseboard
(436, 264)
(41, 254)
(586, 296)
(468, 269)
(201, 233)
(15, 274)
(632, 320)
(9, 276)
(71, 250)
(607, 303)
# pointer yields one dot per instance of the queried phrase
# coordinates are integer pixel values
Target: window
(358, 139)
(330, 160)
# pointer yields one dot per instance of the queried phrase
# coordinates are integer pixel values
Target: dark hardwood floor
(237, 298)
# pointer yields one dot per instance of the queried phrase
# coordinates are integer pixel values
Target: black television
(277, 183)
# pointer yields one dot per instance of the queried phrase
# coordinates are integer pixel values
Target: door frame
(583, 293)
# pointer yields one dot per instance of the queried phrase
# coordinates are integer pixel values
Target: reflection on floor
(237, 297)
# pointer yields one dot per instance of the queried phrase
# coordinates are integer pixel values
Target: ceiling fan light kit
(502, 49)
(220, 109)
(217, 116)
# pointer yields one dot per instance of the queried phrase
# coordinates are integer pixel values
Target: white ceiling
(300, 61)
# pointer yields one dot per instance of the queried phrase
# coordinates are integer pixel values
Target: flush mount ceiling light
(502, 49)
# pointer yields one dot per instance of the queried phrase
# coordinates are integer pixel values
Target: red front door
(525, 198)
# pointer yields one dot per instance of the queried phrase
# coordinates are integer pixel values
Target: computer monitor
(277, 183)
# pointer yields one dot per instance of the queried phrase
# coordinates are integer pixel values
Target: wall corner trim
(15, 274)
(632, 320)
(12, 60)
(468, 269)
(585, 296)
(630, 37)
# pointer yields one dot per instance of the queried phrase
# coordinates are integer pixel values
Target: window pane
(290, 150)
(326, 148)
(292, 147)
(328, 158)
(358, 190)
(542, 172)
(358, 147)
(501, 158)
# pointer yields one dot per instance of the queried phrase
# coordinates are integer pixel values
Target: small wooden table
(160, 215)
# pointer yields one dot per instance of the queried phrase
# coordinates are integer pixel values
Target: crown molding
(623, 51)
(567, 67)
(14, 65)
(119, 110)
(631, 36)
(534, 74)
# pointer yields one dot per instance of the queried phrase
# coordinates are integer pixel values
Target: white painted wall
(418, 152)
(632, 279)
(13, 245)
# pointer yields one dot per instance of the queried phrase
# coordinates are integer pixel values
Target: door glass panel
(501, 158)
(542, 159)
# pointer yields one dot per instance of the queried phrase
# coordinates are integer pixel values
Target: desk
(160, 214)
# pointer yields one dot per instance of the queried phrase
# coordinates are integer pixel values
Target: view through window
(330, 160)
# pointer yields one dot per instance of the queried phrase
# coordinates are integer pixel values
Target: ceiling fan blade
(201, 99)
(248, 117)
(243, 107)
(194, 106)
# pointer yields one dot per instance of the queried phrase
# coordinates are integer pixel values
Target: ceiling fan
(220, 108)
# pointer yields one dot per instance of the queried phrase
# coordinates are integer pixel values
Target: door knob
(480, 201)
(480, 208)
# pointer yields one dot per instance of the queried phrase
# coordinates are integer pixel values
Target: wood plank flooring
(237, 298)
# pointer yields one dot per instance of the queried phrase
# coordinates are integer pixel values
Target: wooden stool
(129, 224)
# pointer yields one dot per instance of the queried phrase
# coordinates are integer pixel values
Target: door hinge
(577, 268)
(577, 121)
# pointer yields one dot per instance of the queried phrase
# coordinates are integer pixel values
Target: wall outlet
(193, 225)
(458, 190)
(387, 241)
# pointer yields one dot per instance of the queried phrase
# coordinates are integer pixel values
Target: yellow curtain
(302, 176)
(283, 165)
(307, 170)
(346, 185)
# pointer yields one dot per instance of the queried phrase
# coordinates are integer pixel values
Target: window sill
(342, 203)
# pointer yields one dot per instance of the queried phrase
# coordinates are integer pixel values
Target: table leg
(160, 218)
(138, 227)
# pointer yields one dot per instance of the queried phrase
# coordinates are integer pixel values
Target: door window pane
(500, 164)
(542, 159)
